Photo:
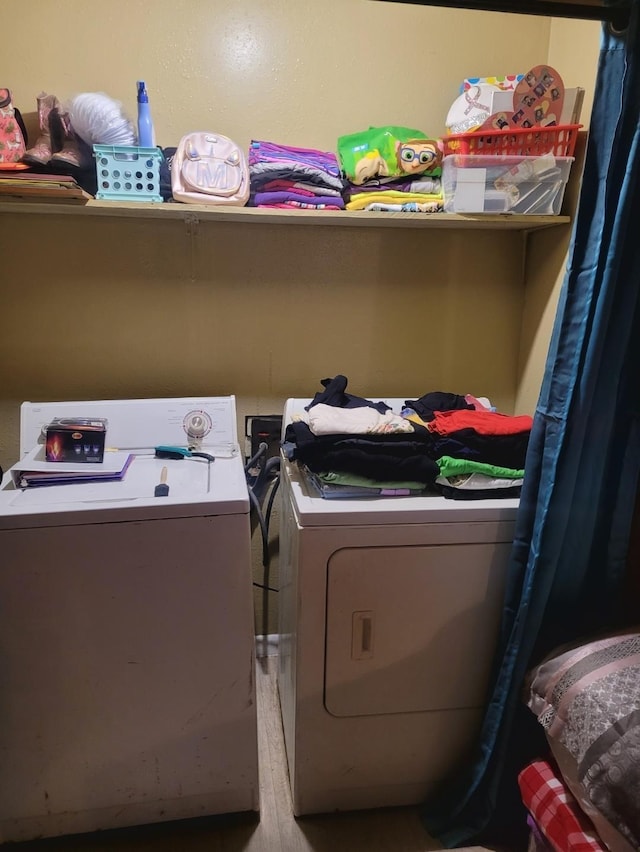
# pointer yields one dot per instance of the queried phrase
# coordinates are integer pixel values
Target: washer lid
(195, 488)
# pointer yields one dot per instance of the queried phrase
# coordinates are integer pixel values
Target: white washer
(126, 631)
(389, 614)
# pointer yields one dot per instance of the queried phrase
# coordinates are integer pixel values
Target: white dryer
(389, 614)
(126, 630)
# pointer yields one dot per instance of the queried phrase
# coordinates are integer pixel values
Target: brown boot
(73, 152)
(40, 153)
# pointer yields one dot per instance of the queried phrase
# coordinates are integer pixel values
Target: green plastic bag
(385, 152)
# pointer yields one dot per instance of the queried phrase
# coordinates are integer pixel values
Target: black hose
(262, 449)
(274, 489)
(256, 493)
(263, 527)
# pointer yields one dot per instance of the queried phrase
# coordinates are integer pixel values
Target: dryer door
(412, 628)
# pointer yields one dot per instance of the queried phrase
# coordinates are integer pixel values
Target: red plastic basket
(523, 141)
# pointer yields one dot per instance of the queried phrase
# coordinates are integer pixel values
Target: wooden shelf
(252, 215)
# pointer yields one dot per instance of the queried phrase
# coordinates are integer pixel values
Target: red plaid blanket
(556, 811)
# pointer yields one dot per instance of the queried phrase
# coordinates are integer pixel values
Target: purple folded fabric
(401, 185)
(271, 152)
(282, 197)
(298, 186)
(261, 173)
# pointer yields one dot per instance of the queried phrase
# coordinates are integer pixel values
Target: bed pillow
(588, 701)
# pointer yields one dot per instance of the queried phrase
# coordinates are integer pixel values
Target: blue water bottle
(146, 133)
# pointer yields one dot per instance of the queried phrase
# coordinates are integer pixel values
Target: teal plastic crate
(128, 173)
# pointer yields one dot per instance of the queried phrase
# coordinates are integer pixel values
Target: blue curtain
(573, 525)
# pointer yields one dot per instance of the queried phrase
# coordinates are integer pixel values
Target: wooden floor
(391, 830)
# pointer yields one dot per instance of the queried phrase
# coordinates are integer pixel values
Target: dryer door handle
(362, 635)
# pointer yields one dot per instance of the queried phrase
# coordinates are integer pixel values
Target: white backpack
(209, 168)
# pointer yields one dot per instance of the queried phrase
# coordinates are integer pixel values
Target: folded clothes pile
(283, 176)
(391, 168)
(450, 444)
(480, 453)
(403, 195)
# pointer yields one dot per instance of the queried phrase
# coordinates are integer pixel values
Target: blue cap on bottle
(143, 98)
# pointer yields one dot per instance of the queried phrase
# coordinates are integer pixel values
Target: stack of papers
(41, 187)
(34, 471)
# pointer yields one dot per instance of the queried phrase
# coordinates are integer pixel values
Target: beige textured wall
(299, 72)
(101, 307)
(573, 49)
(114, 308)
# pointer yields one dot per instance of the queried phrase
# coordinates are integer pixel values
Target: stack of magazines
(31, 186)
(33, 471)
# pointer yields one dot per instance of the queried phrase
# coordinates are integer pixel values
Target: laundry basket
(128, 173)
(515, 141)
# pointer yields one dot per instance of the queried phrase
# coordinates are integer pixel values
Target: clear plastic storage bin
(494, 184)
